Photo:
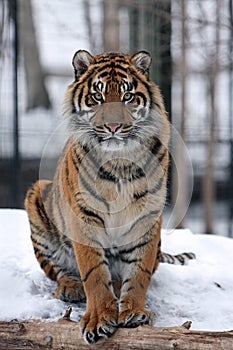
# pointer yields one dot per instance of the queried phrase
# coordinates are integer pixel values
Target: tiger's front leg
(136, 280)
(100, 319)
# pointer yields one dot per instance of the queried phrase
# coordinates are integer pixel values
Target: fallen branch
(65, 335)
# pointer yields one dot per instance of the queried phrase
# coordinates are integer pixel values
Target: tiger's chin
(113, 144)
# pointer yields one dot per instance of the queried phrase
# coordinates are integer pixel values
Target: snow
(200, 291)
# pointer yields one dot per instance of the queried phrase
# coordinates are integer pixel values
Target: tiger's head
(112, 102)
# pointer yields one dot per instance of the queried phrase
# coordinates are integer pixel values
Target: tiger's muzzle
(112, 121)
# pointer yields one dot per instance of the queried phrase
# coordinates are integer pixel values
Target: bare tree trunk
(181, 198)
(111, 25)
(3, 11)
(36, 91)
(65, 335)
(208, 181)
(87, 13)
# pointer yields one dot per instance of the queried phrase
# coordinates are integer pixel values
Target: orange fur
(97, 225)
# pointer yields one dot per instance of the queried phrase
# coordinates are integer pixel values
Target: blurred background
(191, 43)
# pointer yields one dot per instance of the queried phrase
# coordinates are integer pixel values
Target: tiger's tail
(179, 259)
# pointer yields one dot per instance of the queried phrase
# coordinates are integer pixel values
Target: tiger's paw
(134, 318)
(95, 324)
(70, 291)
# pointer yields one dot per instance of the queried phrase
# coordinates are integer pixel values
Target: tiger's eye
(127, 96)
(97, 96)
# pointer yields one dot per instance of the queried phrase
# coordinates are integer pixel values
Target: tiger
(96, 227)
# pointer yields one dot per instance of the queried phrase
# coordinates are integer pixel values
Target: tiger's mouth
(113, 138)
(113, 142)
(110, 133)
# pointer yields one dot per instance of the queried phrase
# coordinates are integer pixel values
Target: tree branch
(65, 335)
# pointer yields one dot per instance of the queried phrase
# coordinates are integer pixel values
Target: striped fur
(179, 259)
(96, 228)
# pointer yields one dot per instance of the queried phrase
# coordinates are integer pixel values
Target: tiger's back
(97, 225)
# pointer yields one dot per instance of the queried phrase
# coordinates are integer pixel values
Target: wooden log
(65, 335)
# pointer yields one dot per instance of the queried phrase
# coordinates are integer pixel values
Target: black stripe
(134, 174)
(52, 205)
(79, 165)
(140, 194)
(139, 174)
(131, 249)
(130, 261)
(107, 285)
(58, 205)
(42, 213)
(39, 230)
(126, 281)
(73, 95)
(106, 175)
(44, 248)
(86, 149)
(112, 65)
(153, 190)
(42, 245)
(52, 273)
(46, 191)
(44, 263)
(134, 72)
(76, 162)
(145, 270)
(190, 256)
(89, 83)
(92, 269)
(36, 250)
(152, 212)
(40, 254)
(155, 148)
(141, 285)
(80, 97)
(91, 191)
(103, 60)
(87, 102)
(123, 76)
(168, 258)
(135, 83)
(138, 93)
(91, 213)
(102, 75)
(121, 61)
(118, 57)
(90, 156)
(67, 172)
(180, 258)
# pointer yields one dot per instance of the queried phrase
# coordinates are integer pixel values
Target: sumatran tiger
(96, 227)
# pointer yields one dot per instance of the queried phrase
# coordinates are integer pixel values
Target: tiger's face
(112, 102)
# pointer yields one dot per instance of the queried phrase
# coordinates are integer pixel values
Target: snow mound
(201, 291)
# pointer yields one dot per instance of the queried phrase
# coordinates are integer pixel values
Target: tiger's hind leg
(70, 291)
(53, 250)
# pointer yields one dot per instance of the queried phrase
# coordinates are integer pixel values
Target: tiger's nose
(113, 127)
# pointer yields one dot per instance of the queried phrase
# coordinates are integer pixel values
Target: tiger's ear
(142, 61)
(81, 61)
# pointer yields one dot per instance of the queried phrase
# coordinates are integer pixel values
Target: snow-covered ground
(201, 291)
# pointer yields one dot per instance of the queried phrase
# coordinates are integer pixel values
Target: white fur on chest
(120, 209)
